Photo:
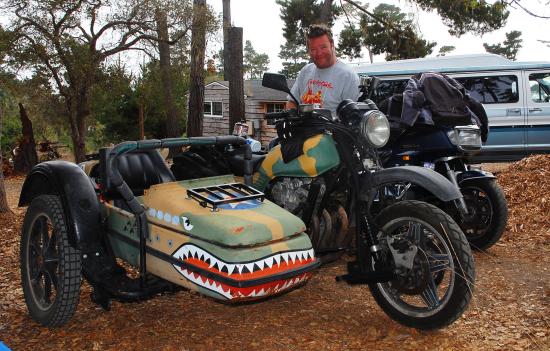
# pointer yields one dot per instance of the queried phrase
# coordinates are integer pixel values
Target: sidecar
(132, 231)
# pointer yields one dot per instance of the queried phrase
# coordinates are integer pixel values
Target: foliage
(70, 40)
(509, 47)
(350, 42)
(401, 41)
(295, 57)
(445, 49)
(255, 64)
(462, 16)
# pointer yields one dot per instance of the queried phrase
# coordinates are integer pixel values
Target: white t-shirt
(326, 87)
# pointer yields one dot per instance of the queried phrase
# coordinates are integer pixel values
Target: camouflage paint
(262, 241)
(320, 155)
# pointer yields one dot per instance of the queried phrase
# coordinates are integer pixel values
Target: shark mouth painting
(247, 280)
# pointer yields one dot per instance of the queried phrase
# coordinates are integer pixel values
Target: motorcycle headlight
(375, 128)
(467, 138)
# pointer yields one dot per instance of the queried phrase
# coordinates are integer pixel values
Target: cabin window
(213, 108)
(492, 89)
(540, 87)
(275, 107)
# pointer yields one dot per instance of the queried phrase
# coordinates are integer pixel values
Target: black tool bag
(292, 135)
(446, 99)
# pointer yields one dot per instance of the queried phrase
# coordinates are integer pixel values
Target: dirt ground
(510, 309)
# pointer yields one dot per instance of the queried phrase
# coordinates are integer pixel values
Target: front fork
(451, 175)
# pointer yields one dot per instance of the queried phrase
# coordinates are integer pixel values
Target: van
(516, 96)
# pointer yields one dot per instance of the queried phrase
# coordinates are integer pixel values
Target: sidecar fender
(473, 174)
(428, 179)
(77, 194)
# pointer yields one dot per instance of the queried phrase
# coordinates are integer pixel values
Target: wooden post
(27, 157)
(236, 84)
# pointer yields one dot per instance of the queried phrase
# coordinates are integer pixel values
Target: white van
(516, 96)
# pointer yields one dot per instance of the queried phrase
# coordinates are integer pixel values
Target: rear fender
(77, 194)
(422, 177)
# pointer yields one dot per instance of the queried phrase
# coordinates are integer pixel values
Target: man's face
(321, 51)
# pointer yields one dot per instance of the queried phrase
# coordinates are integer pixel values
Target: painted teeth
(192, 251)
(217, 287)
(207, 283)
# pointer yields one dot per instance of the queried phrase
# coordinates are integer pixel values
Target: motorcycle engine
(292, 193)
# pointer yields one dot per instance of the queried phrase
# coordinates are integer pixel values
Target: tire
(442, 266)
(488, 213)
(51, 270)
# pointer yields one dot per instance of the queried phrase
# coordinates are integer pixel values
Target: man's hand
(290, 105)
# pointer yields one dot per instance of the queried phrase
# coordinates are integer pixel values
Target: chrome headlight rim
(466, 138)
(375, 128)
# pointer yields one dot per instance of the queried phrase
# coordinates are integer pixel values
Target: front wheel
(50, 267)
(487, 213)
(432, 263)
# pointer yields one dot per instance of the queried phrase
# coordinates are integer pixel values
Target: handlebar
(281, 114)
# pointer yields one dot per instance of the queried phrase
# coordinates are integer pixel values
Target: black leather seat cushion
(140, 170)
(236, 163)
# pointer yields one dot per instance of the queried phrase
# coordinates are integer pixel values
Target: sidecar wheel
(488, 213)
(50, 267)
(437, 287)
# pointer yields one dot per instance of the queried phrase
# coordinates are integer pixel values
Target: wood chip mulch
(510, 309)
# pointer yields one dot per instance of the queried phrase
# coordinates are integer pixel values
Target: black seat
(236, 162)
(140, 169)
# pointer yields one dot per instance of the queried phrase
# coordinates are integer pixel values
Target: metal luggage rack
(237, 192)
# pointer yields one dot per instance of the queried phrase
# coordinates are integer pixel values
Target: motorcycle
(413, 256)
(446, 149)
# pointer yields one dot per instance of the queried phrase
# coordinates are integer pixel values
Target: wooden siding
(254, 110)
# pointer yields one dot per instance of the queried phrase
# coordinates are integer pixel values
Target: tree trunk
(26, 157)
(3, 198)
(236, 84)
(326, 12)
(172, 126)
(198, 45)
(226, 27)
(141, 120)
(78, 109)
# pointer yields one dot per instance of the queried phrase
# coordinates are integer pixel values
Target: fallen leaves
(510, 309)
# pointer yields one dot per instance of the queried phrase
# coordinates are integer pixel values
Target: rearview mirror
(275, 81)
(278, 82)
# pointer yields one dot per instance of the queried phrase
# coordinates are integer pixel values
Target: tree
(403, 43)
(3, 198)
(198, 46)
(224, 57)
(255, 64)
(445, 49)
(509, 47)
(350, 43)
(71, 39)
(295, 57)
(172, 129)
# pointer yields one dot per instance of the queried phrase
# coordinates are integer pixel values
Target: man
(326, 81)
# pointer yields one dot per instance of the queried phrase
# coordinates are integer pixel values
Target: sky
(263, 27)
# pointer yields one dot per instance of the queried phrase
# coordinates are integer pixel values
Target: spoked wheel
(50, 267)
(432, 263)
(487, 213)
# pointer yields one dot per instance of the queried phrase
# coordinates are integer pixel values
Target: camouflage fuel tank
(319, 155)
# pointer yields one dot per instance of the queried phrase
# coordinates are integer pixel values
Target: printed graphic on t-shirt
(314, 92)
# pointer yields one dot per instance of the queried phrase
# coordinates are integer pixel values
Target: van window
(492, 89)
(540, 87)
(387, 88)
